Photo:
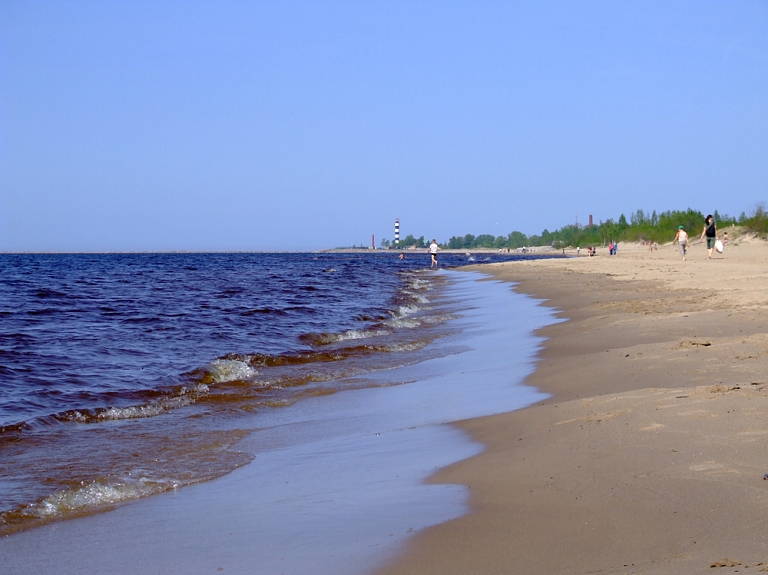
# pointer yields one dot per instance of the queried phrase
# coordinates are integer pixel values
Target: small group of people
(709, 232)
(613, 247)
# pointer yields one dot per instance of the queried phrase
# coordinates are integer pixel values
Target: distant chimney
(590, 220)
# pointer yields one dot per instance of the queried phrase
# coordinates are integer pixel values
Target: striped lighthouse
(397, 232)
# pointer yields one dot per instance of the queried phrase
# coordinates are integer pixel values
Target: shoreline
(649, 457)
(338, 482)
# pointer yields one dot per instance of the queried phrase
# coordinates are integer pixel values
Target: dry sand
(650, 457)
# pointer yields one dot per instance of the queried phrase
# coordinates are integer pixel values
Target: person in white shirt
(433, 247)
(682, 241)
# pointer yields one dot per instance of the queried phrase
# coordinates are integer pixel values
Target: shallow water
(127, 375)
(337, 483)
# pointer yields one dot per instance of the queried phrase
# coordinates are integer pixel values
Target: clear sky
(210, 125)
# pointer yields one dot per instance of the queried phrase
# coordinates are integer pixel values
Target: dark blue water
(125, 375)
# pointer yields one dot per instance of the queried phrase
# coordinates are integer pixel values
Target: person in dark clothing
(710, 231)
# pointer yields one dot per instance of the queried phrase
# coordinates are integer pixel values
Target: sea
(129, 377)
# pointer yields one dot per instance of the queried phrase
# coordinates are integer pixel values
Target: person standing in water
(433, 247)
(710, 231)
(682, 241)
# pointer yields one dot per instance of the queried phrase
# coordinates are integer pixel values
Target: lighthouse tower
(397, 232)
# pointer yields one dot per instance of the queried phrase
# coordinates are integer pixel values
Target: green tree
(517, 240)
(638, 218)
(484, 241)
(455, 243)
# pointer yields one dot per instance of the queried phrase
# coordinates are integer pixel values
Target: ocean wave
(96, 494)
(186, 395)
(264, 360)
(418, 284)
(403, 323)
(223, 370)
(178, 357)
(440, 318)
(399, 347)
(405, 310)
(362, 334)
(352, 334)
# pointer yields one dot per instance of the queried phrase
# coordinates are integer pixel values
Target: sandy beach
(651, 455)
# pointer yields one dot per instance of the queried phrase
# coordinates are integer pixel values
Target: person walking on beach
(710, 231)
(682, 240)
(433, 247)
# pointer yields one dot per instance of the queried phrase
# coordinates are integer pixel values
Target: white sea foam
(76, 417)
(133, 412)
(403, 323)
(440, 318)
(97, 494)
(416, 296)
(404, 310)
(361, 334)
(186, 396)
(352, 334)
(223, 370)
(418, 284)
(415, 346)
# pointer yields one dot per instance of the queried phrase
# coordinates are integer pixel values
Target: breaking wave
(97, 494)
(230, 370)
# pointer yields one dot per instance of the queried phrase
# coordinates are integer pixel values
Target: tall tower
(397, 232)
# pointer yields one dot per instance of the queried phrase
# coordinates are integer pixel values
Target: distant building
(397, 232)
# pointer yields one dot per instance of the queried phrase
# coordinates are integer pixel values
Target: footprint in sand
(725, 563)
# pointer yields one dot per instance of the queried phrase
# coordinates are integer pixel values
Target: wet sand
(651, 453)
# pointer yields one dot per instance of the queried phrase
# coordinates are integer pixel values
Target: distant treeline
(652, 227)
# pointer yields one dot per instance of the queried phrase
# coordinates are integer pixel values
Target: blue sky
(306, 125)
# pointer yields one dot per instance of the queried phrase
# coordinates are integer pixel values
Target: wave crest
(223, 370)
(97, 494)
